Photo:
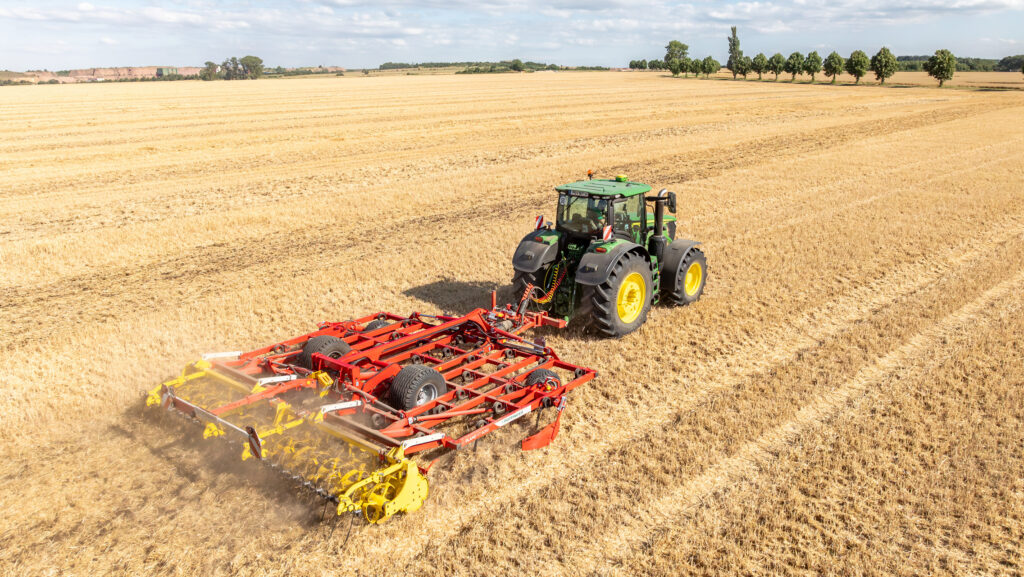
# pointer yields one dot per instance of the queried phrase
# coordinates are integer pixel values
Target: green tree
(252, 67)
(209, 71)
(776, 64)
(696, 66)
(834, 65)
(676, 50)
(884, 64)
(735, 54)
(858, 65)
(675, 66)
(941, 66)
(656, 65)
(517, 65)
(812, 64)
(684, 66)
(230, 68)
(744, 66)
(710, 66)
(642, 64)
(794, 65)
(1010, 63)
(759, 64)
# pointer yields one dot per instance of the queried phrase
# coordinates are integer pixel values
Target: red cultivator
(386, 385)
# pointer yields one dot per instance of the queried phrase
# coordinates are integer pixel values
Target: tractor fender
(531, 255)
(675, 252)
(595, 267)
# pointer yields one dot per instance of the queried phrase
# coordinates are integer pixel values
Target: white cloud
(157, 14)
(108, 41)
(566, 31)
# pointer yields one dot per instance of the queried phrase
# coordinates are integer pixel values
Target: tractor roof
(610, 188)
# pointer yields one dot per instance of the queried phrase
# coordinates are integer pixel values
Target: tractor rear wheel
(325, 345)
(521, 280)
(415, 385)
(619, 305)
(686, 284)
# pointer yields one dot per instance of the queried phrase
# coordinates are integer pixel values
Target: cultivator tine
(544, 437)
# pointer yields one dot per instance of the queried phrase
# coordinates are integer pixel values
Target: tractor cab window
(629, 214)
(581, 214)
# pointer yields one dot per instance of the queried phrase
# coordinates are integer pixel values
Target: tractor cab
(587, 207)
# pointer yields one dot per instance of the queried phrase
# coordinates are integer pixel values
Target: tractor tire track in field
(136, 286)
(709, 163)
(534, 200)
(403, 160)
(918, 353)
(791, 342)
(753, 152)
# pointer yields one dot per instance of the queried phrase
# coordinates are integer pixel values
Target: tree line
(941, 66)
(234, 68)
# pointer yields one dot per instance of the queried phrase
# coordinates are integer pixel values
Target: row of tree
(234, 68)
(696, 66)
(883, 64)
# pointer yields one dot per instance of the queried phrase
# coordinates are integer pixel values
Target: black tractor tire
(415, 385)
(680, 286)
(376, 324)
(539, 376)
(599, 304)
(325, 345)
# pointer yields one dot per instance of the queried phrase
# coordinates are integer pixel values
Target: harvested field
(845, 399)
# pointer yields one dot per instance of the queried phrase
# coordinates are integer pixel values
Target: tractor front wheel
(619, 305)
(685, 285)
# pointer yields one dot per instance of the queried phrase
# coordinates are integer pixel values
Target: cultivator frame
(486, 364)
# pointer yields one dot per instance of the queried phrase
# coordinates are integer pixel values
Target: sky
(57, 35)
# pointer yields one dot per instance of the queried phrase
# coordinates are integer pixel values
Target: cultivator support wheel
(347, 410)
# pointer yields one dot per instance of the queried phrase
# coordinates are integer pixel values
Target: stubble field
(846, 399)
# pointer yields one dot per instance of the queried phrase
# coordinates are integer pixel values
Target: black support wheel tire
(325, 345)
(685, 284)
(619, 305)
(376, 324)
(415, 385)
(540, 375)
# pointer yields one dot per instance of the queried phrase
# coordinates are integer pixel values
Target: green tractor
(610, 256)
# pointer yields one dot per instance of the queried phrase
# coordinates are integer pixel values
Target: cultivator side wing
(342, 409)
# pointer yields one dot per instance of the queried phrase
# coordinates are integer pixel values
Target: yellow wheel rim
(630, 301)
(694, 275)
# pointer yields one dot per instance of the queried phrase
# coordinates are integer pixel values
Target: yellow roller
(397, 488)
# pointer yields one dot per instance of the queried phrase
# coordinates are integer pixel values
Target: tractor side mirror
(671, 199)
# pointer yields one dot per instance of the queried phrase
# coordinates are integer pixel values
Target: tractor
(610, 255)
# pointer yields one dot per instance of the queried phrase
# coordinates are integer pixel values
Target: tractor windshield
(581, 214)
